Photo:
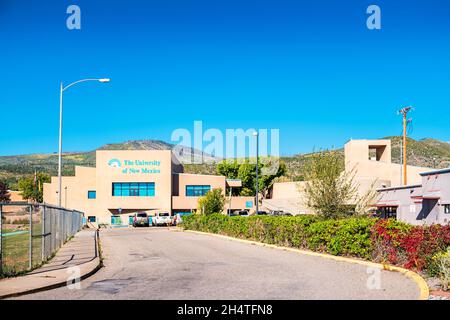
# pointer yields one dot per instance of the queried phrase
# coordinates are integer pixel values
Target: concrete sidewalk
(81, 251)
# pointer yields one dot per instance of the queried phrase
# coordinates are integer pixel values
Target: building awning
(432, 195)
(385, 205)
(235, 183)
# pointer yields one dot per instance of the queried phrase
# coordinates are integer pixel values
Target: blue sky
(309, 68)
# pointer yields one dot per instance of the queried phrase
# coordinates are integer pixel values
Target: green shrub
(339, 237)
(379, 240)
(441, 261)
(349, 236)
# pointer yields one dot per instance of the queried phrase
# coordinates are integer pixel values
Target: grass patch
(16, 251)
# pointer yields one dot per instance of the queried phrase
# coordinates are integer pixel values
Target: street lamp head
(255, 133)
(104, 80)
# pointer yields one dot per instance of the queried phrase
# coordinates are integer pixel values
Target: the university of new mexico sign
(136, 166)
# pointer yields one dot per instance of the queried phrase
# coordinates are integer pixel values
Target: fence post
(50, 210)
(30, 257)
(60, 227)
(63, 229)
(73, 226)
(43, 233)
(1, 239)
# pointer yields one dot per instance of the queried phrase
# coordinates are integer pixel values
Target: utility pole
(401, 163)
(404, 113)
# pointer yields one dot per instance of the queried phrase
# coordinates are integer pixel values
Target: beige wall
(15, 196)
(74, 191)
(289, 197)
(382, 173)
(283, 190)
(182, 202)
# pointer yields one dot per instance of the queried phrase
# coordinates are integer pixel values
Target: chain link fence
(30, 234)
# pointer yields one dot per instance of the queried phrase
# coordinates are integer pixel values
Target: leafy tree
(330, 189)
(5, 196)
(212, 202)
(228, 169)
(32, 188)
(247, 175)
(246, 192)
(269, 169)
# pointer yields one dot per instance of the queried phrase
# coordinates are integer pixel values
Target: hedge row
(362, 237)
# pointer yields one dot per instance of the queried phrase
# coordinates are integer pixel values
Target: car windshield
(142, 215)
(164, 214)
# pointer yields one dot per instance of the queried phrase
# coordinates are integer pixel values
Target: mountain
(426, 152)
(12, 168)
(138, 145)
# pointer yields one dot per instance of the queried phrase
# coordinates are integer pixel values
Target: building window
(92, 194)
(197, 191)
(446, 208)
(133, 189)
(387, 212)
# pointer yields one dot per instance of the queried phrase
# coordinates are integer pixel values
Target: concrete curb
(420, 282)
(87, 269)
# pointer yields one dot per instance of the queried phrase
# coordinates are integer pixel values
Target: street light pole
(257, 168)
(61, 91)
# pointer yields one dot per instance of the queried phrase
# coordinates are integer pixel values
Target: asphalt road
(156, 263)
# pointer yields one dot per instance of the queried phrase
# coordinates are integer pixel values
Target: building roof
(441, 171)
(400, 187)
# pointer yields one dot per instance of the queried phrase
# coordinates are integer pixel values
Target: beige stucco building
(371, 163)
(126, 182)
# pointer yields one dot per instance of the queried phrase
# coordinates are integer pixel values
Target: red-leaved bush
(409, 246)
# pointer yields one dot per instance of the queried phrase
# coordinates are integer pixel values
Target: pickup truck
(162, 219)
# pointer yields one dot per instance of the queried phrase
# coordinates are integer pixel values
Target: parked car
(141, 220)
(162, 219)
(281, 213)
(275, 213)
(262, 213)
(241, 213)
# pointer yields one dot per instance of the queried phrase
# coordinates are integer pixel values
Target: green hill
(426, 152)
